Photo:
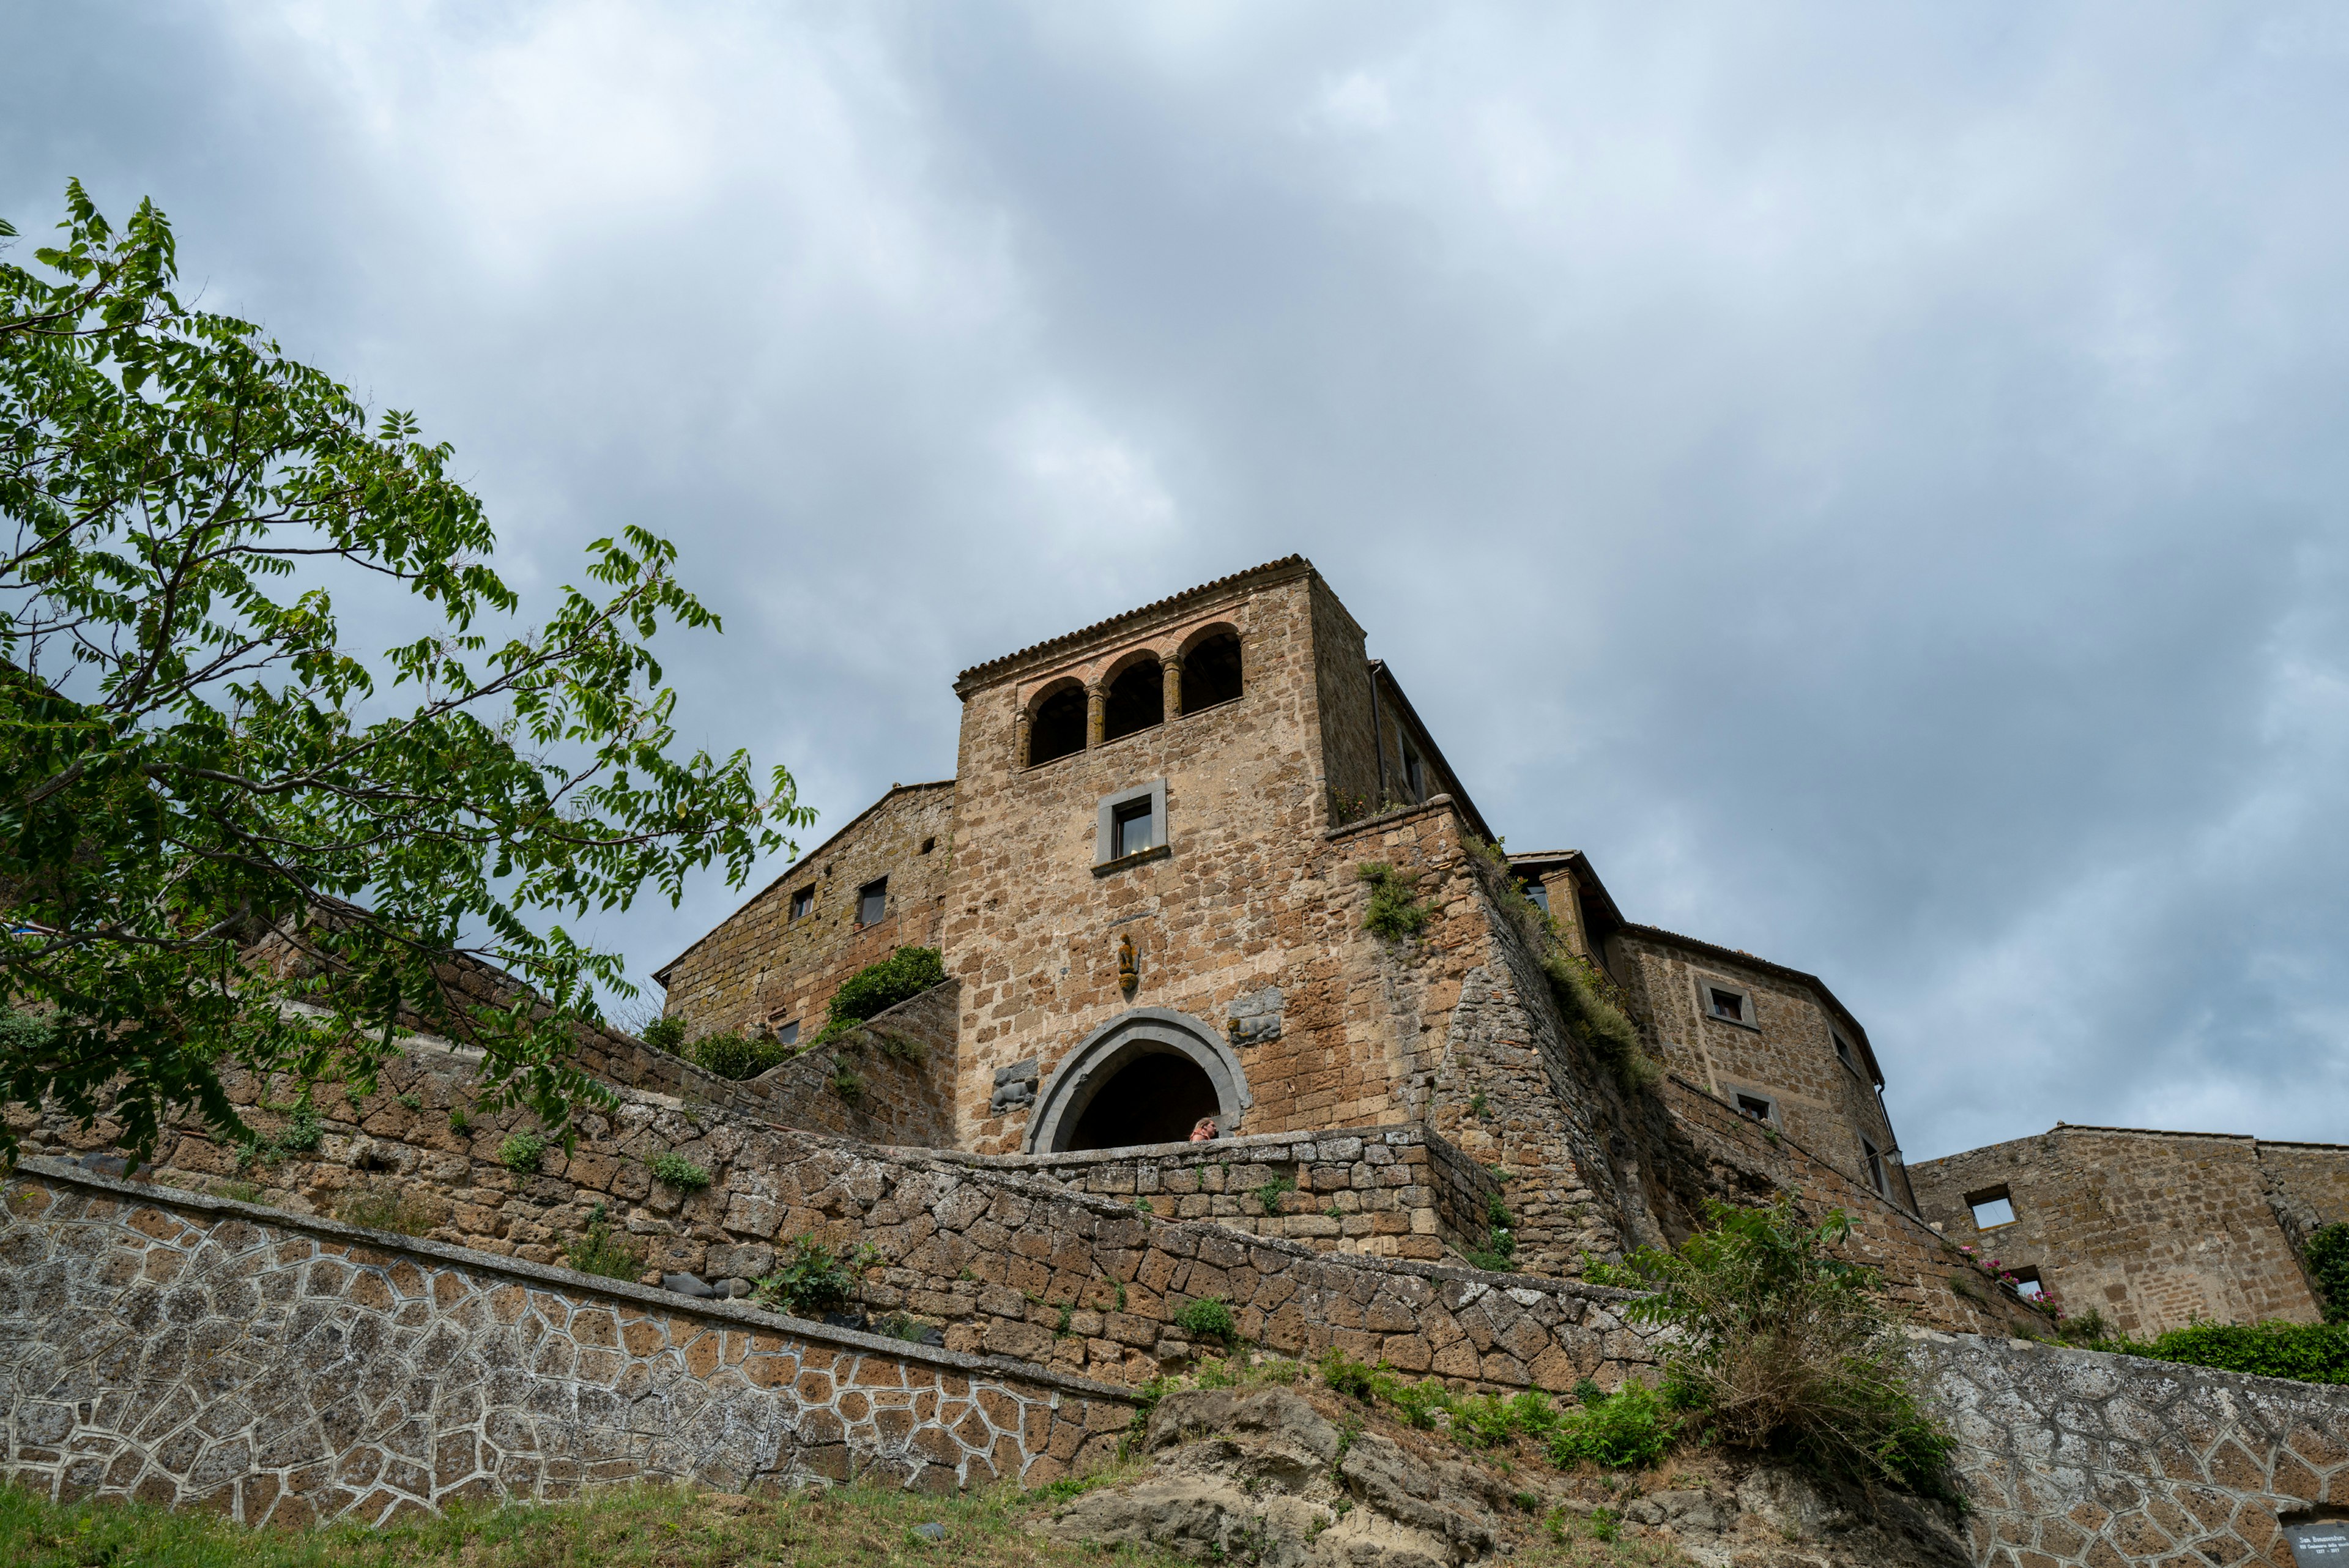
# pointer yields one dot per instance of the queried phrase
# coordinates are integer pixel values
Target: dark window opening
(1156, 1098)
(1538, 894)
(1877, 1177)
(1131, 829)
(1211, 672)
(1754, 1106)
(2027, 1284)
(803, 903)
(788, 1033)
(1727, 1004)
(928, 845)
(872, 902)
(1137, 700)
(1058, 727)
(1843, 1049)
(1415, 776)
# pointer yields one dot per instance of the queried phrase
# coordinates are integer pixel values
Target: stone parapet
(189, 1350)
(2072, 1459)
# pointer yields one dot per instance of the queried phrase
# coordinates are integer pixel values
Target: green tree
(192, 761)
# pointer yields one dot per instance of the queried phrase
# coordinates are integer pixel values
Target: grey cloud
(1867, 475)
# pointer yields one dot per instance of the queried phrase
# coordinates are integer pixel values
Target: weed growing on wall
(1208, 1318)
(1268, 1197)
(735, 1056)
(1393, 913)
(813, 1278)
(2327, 1255)
(1596, 1012)
(1500, 1249)
(385, 1212)
(521, 1152)
(1628, 1429)
(676, 1170)
(601, 1250)
(666, 1034)
(846, 1084)
(2303, 1352)
(1785, 1346)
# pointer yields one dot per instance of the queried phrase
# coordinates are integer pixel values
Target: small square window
(2028, 1285)
(1992, 1208)
(1130, 829)
(804, 903)
(872, 902)
(1754, 1106)
(1843, 1049)
(788, 1033)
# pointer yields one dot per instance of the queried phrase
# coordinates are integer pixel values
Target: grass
(661, 1527)
(384, 1211)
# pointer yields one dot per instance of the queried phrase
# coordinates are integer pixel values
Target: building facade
(1148, 879)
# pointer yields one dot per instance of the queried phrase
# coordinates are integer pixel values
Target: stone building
(1146, 878)
(2152, 1230)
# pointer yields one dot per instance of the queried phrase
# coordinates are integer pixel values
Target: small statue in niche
(1129, 964)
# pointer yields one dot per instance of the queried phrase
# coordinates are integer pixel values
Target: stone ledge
(1396, 1134)
(1431, 806)
(569, 1279)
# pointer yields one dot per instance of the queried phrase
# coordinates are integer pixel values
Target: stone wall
(760, 969)
(1785, 1053)
(2075, 1460)
(997, 1260)
(192, 1351)
(1922, 1270)
(1382, 1191)
(2153, 1229)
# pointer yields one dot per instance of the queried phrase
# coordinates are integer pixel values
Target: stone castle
(1144, 876)
(1201, 861)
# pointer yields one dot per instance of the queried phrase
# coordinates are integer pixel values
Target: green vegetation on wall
(1393, 914)
(2327, 1255)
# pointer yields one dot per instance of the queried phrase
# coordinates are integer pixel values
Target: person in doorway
(1205, 1132)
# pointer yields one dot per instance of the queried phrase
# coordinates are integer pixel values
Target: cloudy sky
(1873, 476)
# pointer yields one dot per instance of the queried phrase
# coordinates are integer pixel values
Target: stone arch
(1212, 666)
(1054, 721)
(1134, 699)
(1128, 1042)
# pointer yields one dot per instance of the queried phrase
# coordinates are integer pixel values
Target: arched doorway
(1145, 1076)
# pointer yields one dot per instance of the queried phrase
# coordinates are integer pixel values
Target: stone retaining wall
(1394, 1191)
(999, 1260)
(2076, 1459)
(194, 1351)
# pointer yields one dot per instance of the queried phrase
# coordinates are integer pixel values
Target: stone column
(1096, 714)
(1173, 671)
(1020, 738)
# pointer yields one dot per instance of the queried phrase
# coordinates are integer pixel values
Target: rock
(931, 1532)
(686, 1285)
(1260, 1475)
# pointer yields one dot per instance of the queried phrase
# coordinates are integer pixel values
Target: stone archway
(1142, 1067)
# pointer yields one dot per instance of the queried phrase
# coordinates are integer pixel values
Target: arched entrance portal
(1145, 1076)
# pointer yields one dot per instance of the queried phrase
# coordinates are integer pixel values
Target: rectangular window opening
(2028, 1285)
(1754, 1106)
(1414, 776)
(1130, 826)
(788, 1033)
(1727, 1004)
(1877, 1177)
(804, 903)
(1843, 1049)
(872, 902)
(1538, 894)
(1992, 1208)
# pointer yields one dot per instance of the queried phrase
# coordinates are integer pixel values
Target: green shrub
(1344, 1375)
(676, 1170)
(1209, 1317)
(665, 1035)
(902, 1326)
(812, 1278)
(411, 1102)
(1628, 1429)
(2303, 1352)
(1597, 1014)
(1393, 913)
(22, 1035)
(846, 1084)
(385, 1212)
(600, 1249)
(2328, 1264)
(458, 1121)
(520, 1152)
(1268, 1197)
(874, 989)
(736, 1057)
(1785, 1346)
